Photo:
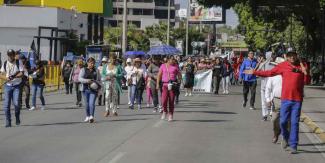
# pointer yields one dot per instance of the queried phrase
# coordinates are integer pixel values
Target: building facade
(142, 13)
(19, 25)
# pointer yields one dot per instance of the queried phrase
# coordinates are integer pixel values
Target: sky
(231, 16)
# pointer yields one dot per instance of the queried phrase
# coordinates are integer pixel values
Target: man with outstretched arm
(292, 72)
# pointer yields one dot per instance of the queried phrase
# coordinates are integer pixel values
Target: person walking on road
(265, 65)
(273, 88)
(74, 78)
(66, 72)
(170, 76)
(25, 85)
(152, 73)
(101, 93)
(138, 83)
(129, 71)
(249, 80)
(217, 75)
(190, 70)
(12, 72)
(89, 77)
(38, 85)
(292, 72)
(226, 71)
(111, 77)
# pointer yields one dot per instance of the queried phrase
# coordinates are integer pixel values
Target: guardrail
(53, 79)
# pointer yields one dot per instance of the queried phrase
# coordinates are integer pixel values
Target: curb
(313, 127)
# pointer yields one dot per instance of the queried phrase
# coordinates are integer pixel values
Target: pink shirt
(173, 72)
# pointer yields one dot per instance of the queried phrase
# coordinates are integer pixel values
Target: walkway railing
(53, 79)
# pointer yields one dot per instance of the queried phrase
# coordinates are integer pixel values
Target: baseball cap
(129, 60)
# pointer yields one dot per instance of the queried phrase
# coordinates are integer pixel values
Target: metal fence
(53, 79)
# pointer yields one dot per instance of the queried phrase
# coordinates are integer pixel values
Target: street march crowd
(161, 78)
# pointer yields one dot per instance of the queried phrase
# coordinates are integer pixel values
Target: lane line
(117, 157)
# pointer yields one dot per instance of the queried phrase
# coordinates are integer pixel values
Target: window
(112, 23)
(164, 2)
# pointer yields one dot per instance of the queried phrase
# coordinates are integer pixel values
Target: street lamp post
(125, 23)
(168, 22)
(187, 26)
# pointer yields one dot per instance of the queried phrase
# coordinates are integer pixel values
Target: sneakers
(264, 118)
(170, 118)
(293, 150)
(148, 105)
(190, 94)
(139, 107)
(163, 116)
(32, 108)
(155, 110)
(227, 92)
(224, 92)
(252, 108)
(17, 121)
(91, 119)
(43, 107)
(284, 143)
(106, 114)
(186, 94)
(87, 119)
(115, 114)
(244, 104)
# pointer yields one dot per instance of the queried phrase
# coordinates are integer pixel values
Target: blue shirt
(247, 65)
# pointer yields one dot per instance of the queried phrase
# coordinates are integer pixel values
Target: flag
(33, 47)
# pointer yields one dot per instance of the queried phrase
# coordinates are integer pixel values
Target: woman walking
(152, 73)
(217, 75)
(138, 83)
(129, 71)
(226, 71)
(89, 77)
(111, 76)
(74, 78)
(190, 70)
(38, 84)
(66, 72)
(170, 76)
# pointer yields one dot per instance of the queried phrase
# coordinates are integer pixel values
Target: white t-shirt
(12, 70)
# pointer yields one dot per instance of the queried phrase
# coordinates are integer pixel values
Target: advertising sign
(201, 14)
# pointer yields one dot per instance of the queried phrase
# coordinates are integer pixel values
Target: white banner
(202, 81)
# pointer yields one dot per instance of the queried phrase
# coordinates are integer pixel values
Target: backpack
(5, 65)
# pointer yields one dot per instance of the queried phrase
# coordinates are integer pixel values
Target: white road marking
(117, 157)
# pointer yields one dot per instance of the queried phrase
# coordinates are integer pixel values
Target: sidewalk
(314, 110)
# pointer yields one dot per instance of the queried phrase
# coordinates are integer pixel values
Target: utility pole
(168, 22)
(187, 26)
(125, 23)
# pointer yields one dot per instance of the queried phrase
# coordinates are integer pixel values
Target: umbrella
(163, 50)
(133, 54)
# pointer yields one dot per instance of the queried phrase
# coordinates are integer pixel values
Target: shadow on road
(310, 151)
(208, 112)
(311, 144)
(73, 123)
(201, 120)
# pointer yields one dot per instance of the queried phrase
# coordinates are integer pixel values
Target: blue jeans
(11, 93)
(37, 88)
(290, 110)
(89, 100)
(136, 94)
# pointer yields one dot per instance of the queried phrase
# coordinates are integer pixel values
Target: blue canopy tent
(163, 50)
(134, 54)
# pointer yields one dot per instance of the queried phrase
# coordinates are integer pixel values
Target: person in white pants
(129, 71)
(265, 64)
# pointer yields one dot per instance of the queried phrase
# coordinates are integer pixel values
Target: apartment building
(143, 13)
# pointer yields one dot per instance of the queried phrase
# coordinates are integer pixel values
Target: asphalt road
(207, 129)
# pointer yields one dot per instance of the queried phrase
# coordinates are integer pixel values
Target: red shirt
(293, 82)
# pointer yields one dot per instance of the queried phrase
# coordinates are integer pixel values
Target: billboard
(88, 6)
(202, 14)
